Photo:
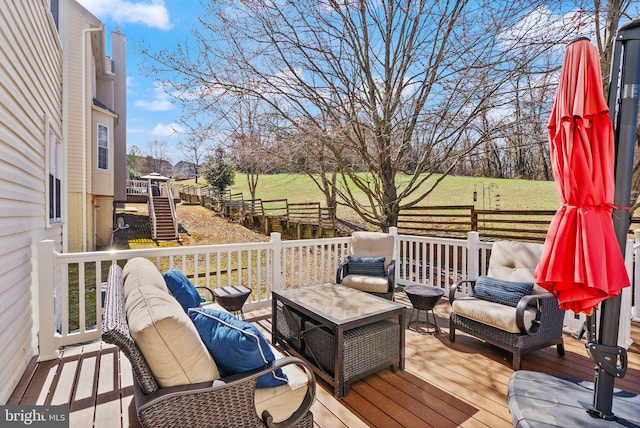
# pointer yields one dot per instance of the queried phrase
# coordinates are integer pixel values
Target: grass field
(514, 194)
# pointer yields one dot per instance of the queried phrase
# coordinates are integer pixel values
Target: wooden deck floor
(444, 384)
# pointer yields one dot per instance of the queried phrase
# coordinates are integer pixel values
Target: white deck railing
(70, 304)
(137, 187)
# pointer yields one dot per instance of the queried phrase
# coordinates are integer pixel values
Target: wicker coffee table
(344, 333)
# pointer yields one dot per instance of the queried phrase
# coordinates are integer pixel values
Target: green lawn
(514, 194)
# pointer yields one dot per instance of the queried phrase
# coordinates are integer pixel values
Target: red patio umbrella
(582, 263)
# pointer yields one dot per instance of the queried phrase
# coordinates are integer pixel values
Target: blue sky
(163, 23)
(158, 23)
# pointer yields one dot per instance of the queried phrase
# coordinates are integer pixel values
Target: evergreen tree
(218, 170)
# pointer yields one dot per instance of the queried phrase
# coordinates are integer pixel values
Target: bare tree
(612, 13)
(521, 149)
(249, 139)
(133, 160)
(526, 145)
(195, 148)
(158, 152)
(313, 154)
(376, 87)
(605, 32)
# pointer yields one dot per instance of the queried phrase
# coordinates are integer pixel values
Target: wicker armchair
(535, 323)
(370, 244)
(227, 402)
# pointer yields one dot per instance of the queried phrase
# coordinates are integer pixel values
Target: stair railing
(172, 204)
(152, 212)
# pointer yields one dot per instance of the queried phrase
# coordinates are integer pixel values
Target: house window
(55, 178)
(103, 147)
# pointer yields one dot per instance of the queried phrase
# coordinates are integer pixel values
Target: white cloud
(159, 101)
(167, 130)
(151, 13)
(156, 104)
(543, 25)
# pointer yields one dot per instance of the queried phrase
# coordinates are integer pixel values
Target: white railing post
(473, 252)
(393, 231)
(46, 301)
(624, 328)
(276, 265)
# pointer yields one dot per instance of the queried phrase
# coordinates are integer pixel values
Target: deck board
(66, 375)
(108, 410)
(444, 384)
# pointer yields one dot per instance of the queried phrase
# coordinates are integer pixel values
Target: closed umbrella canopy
(581, 262)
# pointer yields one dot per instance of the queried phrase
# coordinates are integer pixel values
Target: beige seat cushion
(140, 271)
(282, 401)
(372, 284)
(496, 315)
(167, 338)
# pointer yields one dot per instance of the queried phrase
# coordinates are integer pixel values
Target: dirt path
(204, 227)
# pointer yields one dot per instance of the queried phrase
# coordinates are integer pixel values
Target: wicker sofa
(533, 323)
(177, 384)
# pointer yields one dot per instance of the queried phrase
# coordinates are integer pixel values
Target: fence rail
(293, 220)
(457, 221)
(530, 225)
(454, 221)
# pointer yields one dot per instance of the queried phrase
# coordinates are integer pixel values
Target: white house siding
(120, 170)
(77, 117)
(102, 188)
(90, 191)
(30, 102)
(78, 107)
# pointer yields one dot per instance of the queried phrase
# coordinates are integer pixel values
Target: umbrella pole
(624, 91)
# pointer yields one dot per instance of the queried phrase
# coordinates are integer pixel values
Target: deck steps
(165, 223)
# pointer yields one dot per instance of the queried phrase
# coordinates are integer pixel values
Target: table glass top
(337, 302)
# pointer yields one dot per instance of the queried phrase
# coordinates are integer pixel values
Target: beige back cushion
(167, 338)
(515, 261)
(372, 244)
(140, 271)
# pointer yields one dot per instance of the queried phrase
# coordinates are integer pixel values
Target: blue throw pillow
(500, 291)
(182, 289)
(235, 345)
(371, 266)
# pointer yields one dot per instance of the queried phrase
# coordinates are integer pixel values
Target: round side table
(232, 298)
(423, 298)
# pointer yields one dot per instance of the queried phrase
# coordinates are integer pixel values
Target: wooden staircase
(163, 221)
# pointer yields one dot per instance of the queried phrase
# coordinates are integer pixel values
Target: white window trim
(53, 133)
(108, 148)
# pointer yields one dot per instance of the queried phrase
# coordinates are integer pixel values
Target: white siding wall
(77, 117)
(30, 101)
(120, 170)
